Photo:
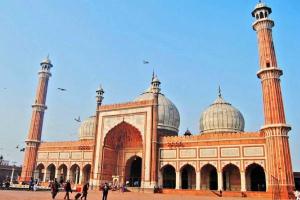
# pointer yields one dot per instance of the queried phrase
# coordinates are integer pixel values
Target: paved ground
(26, 195)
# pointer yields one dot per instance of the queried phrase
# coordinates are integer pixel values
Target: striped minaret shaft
(35, 131)
(275, 129)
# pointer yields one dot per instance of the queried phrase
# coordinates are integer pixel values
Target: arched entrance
(39, 172)
(50, 173)
(169, 177)
(188, 177)
(209, 177)
(86, 171)
(122, 140)
(231, 178)
(62, 173)
(134, 171)
(255, 178)
(74, 174)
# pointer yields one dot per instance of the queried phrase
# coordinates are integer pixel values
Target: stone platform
(113, 195)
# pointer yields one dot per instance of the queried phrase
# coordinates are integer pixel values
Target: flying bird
(61, 89)
(17, 146)
(145, 62)
(77, 119)
(22, 150)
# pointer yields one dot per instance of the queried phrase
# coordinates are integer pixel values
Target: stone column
(45, 174)
(178, 180)
(243, 181)
(80, 177)
(57, 173)
(76, 175)
(68, 174)
(160, 179)
(198, 180)
(220, 181)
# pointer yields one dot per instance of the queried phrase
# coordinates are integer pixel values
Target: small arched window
(261, 15)
(266, 14)
(268, 64)
(257, 16)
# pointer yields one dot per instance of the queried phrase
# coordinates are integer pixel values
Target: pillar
(12, 175)
(178, 180)
(68, 174)
(57, 173)
(243, 181)
(154, 150)
(45, 174)
(198, 180)
(220, 181)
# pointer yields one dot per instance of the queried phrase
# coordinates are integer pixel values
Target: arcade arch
(255, 178)
(62, 173)
(74, 174)
(231, 178)
(168, 177)
(188, 177)
(50, 172)
(86, 171)
(39, 172)
(209, 177)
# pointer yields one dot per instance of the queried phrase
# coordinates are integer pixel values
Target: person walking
(54, 188)
(85, 191)
(31, 183)
(105, 191)
(68, 189)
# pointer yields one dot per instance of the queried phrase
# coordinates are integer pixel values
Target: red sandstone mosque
(138, 143)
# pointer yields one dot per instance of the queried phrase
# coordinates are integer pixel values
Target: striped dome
(221, 117)
(87, 128)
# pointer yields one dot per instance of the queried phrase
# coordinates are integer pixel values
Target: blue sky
(194, 46)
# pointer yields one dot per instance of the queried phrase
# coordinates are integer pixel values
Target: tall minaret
(35, 131)
(155, 86)
(275, 129)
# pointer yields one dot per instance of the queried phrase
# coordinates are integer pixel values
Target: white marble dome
(87, 128)
(168, 115)
(221, 117)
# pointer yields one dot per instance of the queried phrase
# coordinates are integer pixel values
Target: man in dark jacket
(68, 189)
(105, 191)
(54, 188)
(85, 191)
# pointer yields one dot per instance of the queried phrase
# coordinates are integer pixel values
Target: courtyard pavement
(96, 195)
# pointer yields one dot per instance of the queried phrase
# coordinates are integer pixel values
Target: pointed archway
(74, 174)
(133, 171)
(124, 139)
(39, 172)
(255, 178)
(62, 173)
(231, 178)
(188, 177)
(50, 172)
(86, 171)
(209, 177)
(169, 177)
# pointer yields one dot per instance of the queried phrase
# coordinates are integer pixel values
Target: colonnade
(230, 178)
(62, 173)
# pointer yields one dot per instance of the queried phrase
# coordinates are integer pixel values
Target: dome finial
(153, 74)
(219, 91)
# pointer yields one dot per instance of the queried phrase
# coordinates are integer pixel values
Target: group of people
(6, 184)
(54, 186)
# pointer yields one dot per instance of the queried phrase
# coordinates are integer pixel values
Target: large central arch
(122, 140)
